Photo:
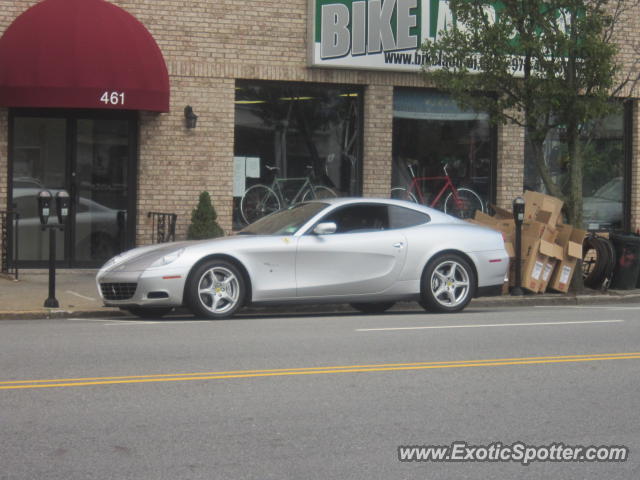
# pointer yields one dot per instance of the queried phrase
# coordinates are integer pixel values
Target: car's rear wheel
(215, 290)
(448, 284)
(376, 307)
(149, 312)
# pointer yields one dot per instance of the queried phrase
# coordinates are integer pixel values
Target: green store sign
(375, 34)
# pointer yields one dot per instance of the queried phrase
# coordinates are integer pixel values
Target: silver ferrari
(367, 252)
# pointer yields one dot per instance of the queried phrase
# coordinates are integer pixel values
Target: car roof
(341, 201)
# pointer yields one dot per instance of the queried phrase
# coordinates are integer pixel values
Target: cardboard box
(539, 255)
(536, 229)
(504, 225)
(536, 251)
(539, 202)
(570, 240)
(511, 252)
(553, 260)
(501, 213)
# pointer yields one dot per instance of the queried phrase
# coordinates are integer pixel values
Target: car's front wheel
(215, 290)
(448, 284)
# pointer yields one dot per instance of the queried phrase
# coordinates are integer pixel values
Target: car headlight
(167, 259)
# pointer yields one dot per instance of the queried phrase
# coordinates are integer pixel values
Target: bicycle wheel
(318, 192)
(401, 193)
(258, 201)
(469, 202)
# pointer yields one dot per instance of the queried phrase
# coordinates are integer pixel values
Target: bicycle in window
(460, 202)
(261, 200)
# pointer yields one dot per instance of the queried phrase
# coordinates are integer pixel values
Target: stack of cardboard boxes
(550, 249)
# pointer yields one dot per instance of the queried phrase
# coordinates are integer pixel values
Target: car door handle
(398, 245)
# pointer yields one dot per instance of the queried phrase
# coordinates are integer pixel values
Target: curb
(47, 314)
(551, 300)
(482, 302)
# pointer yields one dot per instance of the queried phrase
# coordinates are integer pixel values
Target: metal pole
(16, 243)
(517, 290)
(52, 302)
(518, 216)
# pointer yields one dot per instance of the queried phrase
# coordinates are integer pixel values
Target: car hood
(595, 208)
(140, 258)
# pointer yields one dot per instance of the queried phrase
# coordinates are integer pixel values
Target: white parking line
(152, 322)
(81, 296)
(134, 321)
(588, 307)
(436, 327)
(86, 319)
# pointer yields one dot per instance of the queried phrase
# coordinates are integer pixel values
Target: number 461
(112, 98)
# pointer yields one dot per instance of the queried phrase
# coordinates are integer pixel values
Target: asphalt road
(318, 397)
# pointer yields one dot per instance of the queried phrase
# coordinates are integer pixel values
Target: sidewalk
(77, 295)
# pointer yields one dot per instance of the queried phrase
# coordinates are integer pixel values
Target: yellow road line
(329, 367)
(27, 384)
(332, 367)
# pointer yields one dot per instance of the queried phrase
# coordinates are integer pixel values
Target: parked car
(96, 227)
(367, 252)
(603, 209)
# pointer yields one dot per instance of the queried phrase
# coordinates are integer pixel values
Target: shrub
(203, 220)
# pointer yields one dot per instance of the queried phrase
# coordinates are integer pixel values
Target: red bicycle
(460, 202)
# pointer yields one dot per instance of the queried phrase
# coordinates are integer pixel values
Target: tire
(257, 202)
(598, 262)
(377, 307)
(401, 193)
(149, 312)
(470, 202)
(318, 192)
(215, 290)
(448, 284)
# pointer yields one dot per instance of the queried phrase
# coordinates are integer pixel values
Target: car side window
(359, 218)
(400, 217)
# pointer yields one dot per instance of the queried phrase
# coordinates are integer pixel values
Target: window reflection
(299, 141)
(430, 132)
(92, 166)
(602, 147)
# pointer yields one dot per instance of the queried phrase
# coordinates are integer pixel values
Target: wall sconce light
(190, 117)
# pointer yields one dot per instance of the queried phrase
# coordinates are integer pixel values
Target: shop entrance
(92, 155)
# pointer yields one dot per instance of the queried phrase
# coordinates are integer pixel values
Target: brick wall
(4, 181)
(4, 154)
(176, 163)
(510, 168)
(378, 123)
(635, 170)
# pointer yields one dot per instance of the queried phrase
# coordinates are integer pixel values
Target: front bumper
(154, 287)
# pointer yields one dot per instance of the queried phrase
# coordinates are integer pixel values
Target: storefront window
(603, 172)
(294, 142)
(432, 139)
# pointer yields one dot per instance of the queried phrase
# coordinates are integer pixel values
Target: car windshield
(284, 222)
(612, 190)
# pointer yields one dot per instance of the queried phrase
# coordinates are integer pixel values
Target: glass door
(99, 186)
(39, 161)
(93, 157)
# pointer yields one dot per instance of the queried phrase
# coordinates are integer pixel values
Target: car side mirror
(325, 228)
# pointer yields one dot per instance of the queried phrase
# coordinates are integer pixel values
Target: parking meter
(518, 217)
(62, 206)
(518, 210)
(44, 206)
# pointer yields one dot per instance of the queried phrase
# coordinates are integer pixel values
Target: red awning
(81, 54)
